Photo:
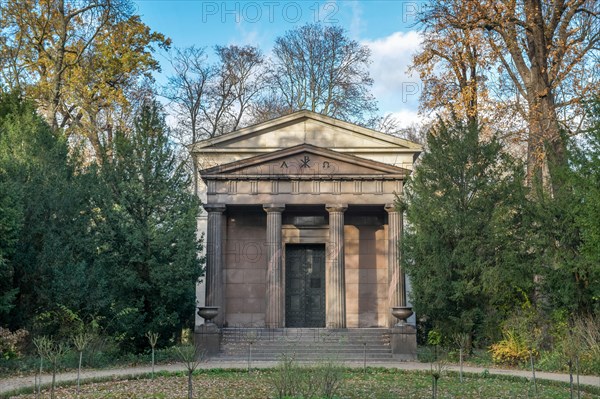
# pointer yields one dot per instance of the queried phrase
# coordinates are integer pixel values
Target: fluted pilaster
(335, 274)
(274, 307)
(396, 290)
(215, 235)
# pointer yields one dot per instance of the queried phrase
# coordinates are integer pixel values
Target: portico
(301, 227)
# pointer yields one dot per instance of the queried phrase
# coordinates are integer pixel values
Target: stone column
(335, 281)
(403, 337)
(275, 306)
(396, 289)
(215, 234)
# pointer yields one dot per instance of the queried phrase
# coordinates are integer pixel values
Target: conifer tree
(147, 232)
(463, 249)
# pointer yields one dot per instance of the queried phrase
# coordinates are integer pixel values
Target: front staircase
(306, 344)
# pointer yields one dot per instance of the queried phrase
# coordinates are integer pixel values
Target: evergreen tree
(37, 210)
(10, 224)
(567, 228)
(587, 174)
(145, 226)
(463, 248)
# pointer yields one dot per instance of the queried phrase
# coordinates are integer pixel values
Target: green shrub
(511, 350)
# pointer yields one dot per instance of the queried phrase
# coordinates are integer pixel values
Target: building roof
(305, 127)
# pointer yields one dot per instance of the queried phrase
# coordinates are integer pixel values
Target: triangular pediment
(304, 160)
(305, 127)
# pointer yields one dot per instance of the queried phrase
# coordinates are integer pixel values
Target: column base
(207, 339)
(404, 342)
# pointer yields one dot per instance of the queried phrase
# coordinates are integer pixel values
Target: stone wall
(245, 269)
(246, 264)
(366, 276)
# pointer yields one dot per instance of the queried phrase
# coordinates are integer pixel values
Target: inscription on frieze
(303, 164)
(308, 165)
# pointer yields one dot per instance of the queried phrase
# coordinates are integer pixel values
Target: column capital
(220, 208)
(389, 208)
(274, 207)
(336, 207)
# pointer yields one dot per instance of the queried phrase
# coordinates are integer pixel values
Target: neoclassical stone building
(300, 224)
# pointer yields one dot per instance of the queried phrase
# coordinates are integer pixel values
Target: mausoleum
(301, 227)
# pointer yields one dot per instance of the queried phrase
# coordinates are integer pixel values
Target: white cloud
(395, 90)
(407, 118)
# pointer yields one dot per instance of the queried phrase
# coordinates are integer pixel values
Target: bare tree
(191, 356)
(544, 46)
(450, 62)
(80, 341)
(547, 51)
(322, 70)
(187, 90)
(391, 125)
(211, 99)
(269, 105)
(237, 80)
(243, 67)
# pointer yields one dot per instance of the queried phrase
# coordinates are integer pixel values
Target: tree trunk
(461, 364)
(39, 387)
(53, 382)
(153, 362)
(79, 372)
(577, 371)
(571, 377)
(546, 152)
(545, 147)
(195, 172)
(533, 371)
(190, 385)
(58, 79)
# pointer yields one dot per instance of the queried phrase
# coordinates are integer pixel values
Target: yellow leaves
(511, 350)
(78, 61)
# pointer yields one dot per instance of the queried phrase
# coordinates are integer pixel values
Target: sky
(386, 27)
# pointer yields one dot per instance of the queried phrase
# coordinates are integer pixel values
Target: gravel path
(10, 384)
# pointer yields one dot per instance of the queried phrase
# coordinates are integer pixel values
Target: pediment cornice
(309, 127)
(304, 161)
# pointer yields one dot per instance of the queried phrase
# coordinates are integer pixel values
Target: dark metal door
(305, 285)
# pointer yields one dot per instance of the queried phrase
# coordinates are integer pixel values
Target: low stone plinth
(207, 338)
(404, 342)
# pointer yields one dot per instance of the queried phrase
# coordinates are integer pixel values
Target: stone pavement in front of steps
(14, 383)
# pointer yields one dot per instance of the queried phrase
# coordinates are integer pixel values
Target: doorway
(305, 285)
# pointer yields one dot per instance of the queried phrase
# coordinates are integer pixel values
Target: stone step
(309, 340)
(278, 353)
(310, 347)
(275, 355)
(307, 359)
(304, 335)
(306, 344)
(353, 348)
(313, 357)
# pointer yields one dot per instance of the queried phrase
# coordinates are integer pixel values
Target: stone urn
(208, 313)
(402, 313)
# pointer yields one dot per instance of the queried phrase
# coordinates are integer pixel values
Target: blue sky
(387, 27)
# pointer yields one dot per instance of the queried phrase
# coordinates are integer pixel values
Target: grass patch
(356, 384)
(91, 360)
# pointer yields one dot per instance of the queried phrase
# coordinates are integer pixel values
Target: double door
(305, 285)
